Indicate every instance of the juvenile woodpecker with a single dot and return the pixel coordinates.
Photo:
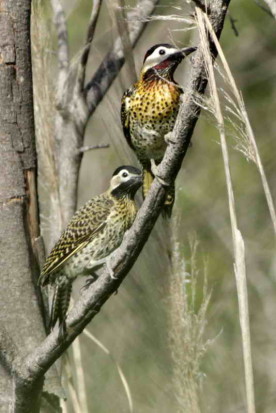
(92, 234)
(149, 110)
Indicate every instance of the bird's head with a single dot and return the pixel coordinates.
(125, 181)
(163, 59)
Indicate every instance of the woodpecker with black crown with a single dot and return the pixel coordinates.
(149, 110)
(92, 234)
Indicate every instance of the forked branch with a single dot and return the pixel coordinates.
(36, 364)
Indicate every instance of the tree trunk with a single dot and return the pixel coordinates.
(20, 314)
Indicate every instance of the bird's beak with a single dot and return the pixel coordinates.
(180, 54)
(187, 50)
(138, 180)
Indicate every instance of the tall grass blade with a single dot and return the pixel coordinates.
(119, 369)
(249, 130)
(238, 244)
(79, 370)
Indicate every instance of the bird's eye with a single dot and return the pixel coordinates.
(162, 51)
(125, 174)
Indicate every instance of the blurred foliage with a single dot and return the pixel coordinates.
(134, 324)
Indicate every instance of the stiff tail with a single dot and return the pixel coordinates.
(60, 304)
(147, 181)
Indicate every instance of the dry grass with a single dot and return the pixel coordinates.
(237, 239)
(247, 143)
(187, 327)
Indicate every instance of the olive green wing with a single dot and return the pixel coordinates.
(83, 226)
(125, 114)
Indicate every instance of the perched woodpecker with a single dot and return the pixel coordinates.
(92, 234)
(149, 110)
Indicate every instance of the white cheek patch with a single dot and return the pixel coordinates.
(115, 181)
(155, 58)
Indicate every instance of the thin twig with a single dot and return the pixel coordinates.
(122, 25)
(233, 25)
(93, 147)
(63, 50)
(97, 87)
(86, 50)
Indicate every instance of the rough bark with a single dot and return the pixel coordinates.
(20, 314)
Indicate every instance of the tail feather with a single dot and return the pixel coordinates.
(147, 181)
(60, 304)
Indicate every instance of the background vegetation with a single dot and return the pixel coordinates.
(138, 325)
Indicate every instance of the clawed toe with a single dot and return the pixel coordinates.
(110, 269)
(154, 169)
(89, 281)
(170, 139)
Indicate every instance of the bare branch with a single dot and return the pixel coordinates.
(122, 25)
(72, 118)
(63, 51)
(93, 147)
(114, 60)
(86, 50)
(233, 25)
(91, 301)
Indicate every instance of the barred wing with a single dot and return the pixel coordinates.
(84, 225)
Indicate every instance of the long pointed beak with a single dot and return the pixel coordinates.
(187, 50)
(139, 179)
(181, 54)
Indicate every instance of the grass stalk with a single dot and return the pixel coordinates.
(119, 369)
(188, 323)
(79, 370)
(238, 243)
(248, 127)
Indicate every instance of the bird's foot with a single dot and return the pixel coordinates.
(92, 278)
(109, 268)
(170, 138)
(154, 169)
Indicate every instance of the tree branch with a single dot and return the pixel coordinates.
(123, 30)
(85, 52)
(73, 115)
(63, 50)
(93, 147)
(114, 60)
(36, 364)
